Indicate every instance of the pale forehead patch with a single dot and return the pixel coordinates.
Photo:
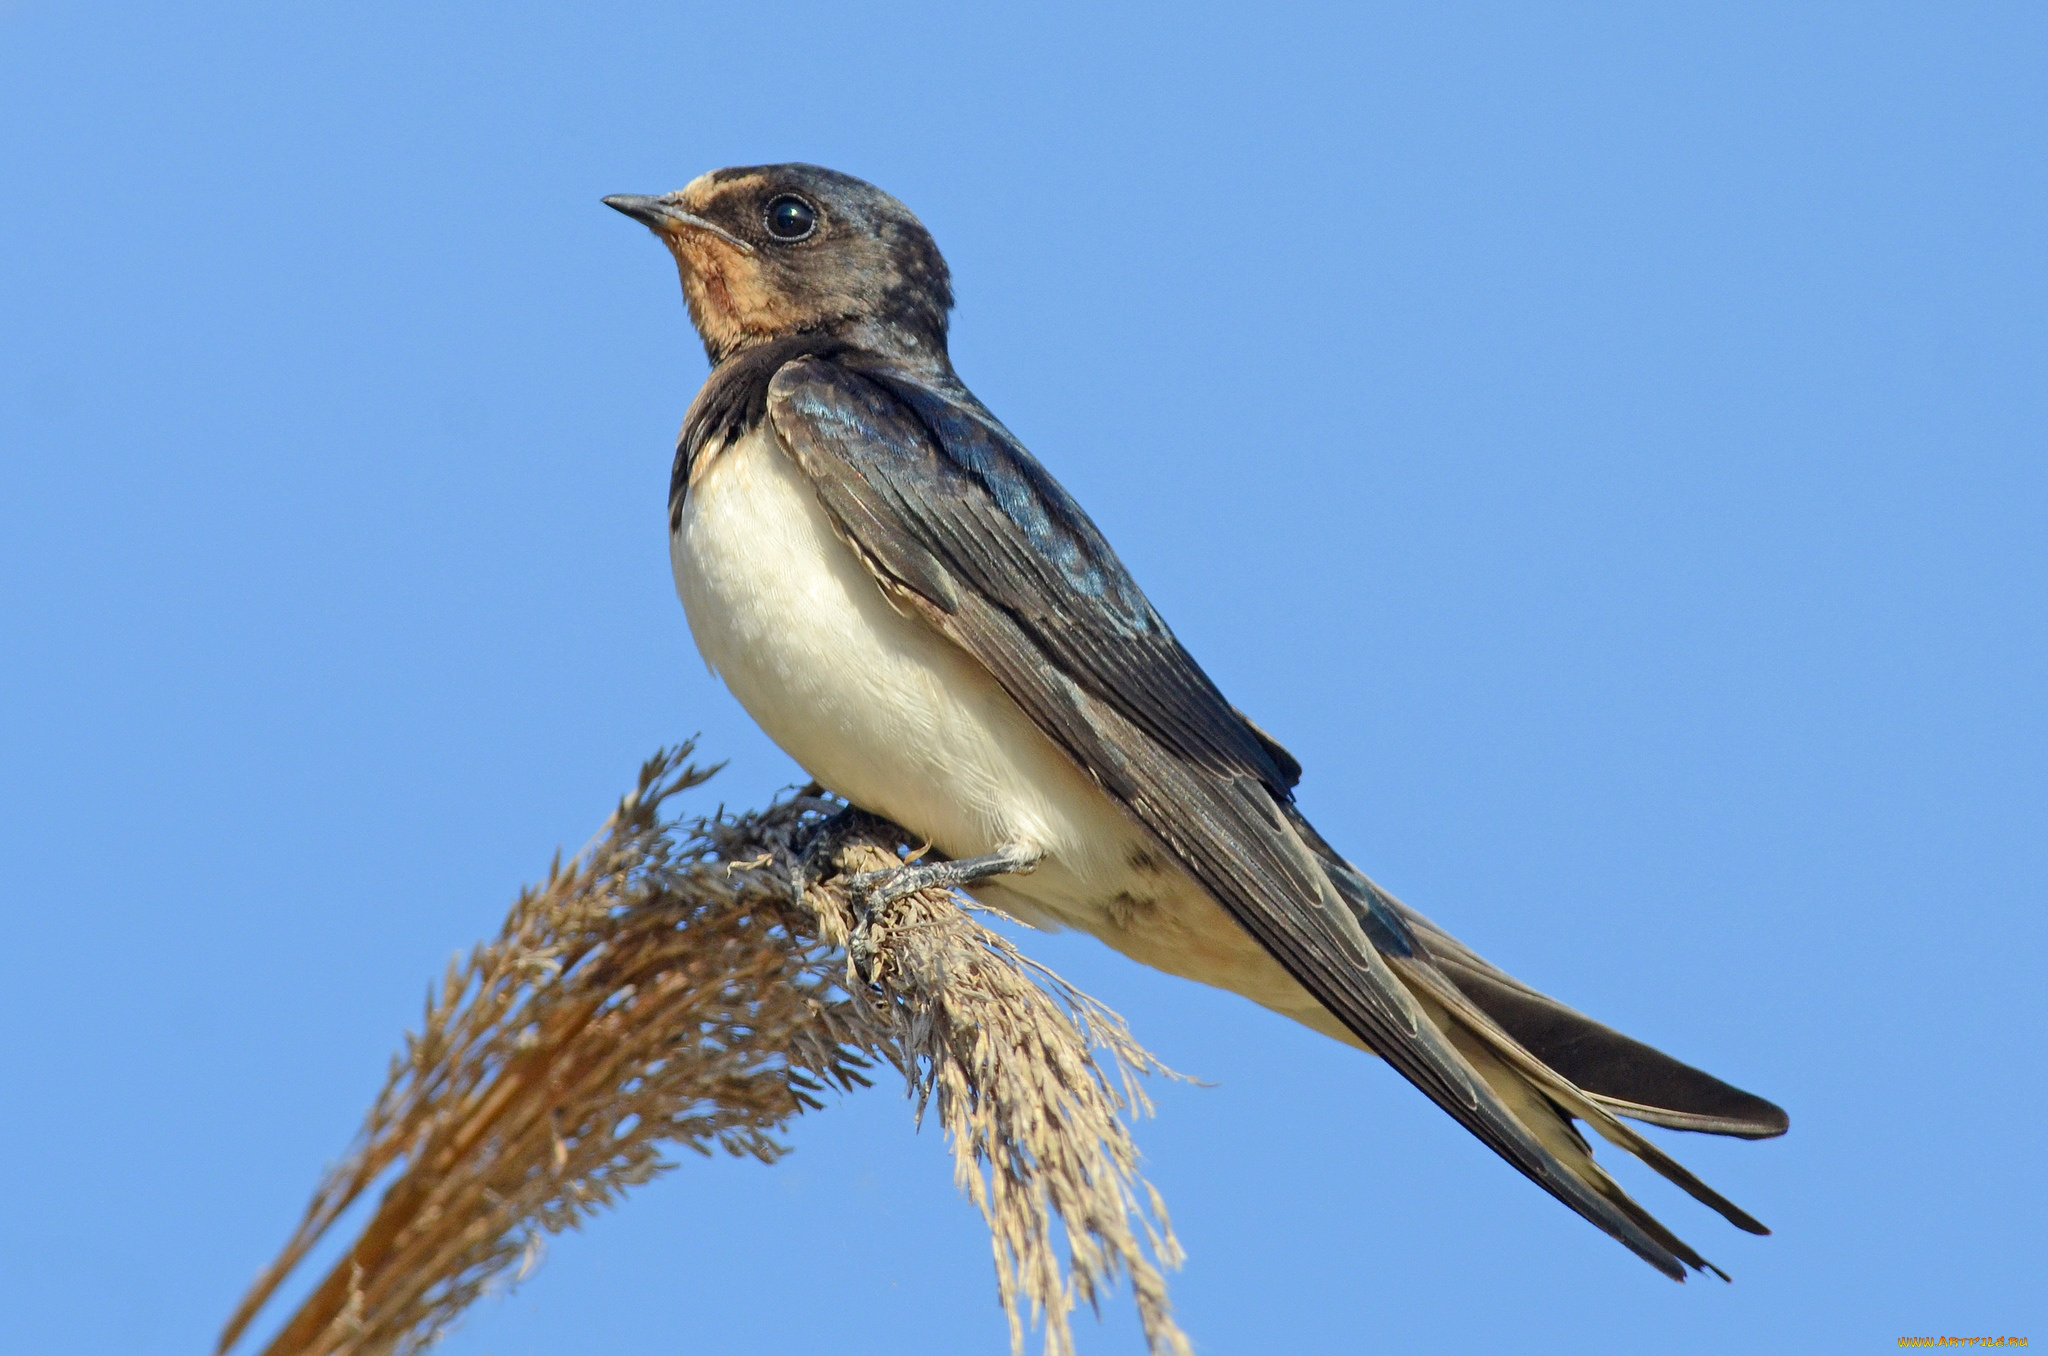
(705, 188)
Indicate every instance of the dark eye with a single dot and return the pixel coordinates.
(790, 218)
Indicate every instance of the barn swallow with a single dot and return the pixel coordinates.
(918, 613)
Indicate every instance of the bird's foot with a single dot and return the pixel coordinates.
(871, 892)
(818, 859)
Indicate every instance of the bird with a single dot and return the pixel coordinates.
(918, 613)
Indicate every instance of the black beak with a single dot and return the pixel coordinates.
(647, 211)
(663, 217)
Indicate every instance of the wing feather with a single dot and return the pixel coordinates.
(961, 525)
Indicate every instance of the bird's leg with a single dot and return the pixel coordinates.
(818, 859)
(872, 890)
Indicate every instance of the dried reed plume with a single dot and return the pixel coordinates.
(1005, 1048)
(666, 987)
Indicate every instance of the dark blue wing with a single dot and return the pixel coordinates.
(1005, 527)
(960, 524)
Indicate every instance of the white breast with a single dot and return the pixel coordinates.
(874, 704)
(889, 714)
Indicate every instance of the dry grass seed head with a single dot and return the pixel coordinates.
(664, 988)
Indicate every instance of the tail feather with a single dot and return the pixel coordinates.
(1527, 1047)
(1553, 1127)
(1626, 1076)
(1424, 978)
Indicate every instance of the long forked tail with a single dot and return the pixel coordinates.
(1624, 1075)
(1552, 1065)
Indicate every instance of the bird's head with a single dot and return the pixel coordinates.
(774, 250)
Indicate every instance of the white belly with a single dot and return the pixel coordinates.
(894, 717)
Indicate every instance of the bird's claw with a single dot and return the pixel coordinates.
(818, 859)
(872, 891)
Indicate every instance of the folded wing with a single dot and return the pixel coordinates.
(961, 526)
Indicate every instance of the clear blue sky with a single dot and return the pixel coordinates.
(1606, 444)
